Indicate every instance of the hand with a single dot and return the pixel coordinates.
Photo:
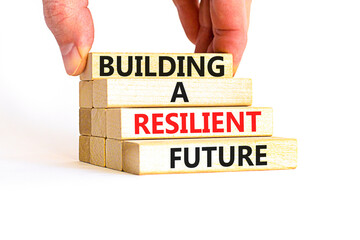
(216, 26)
(71, 23)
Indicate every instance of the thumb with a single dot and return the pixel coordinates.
(72, 25)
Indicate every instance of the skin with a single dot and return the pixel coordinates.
(214, 26)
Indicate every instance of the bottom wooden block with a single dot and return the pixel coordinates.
(97, 151)
(209, 155)
(114, 154)
(101, 152)
(190, 155)
(84, 149)
(92, 150)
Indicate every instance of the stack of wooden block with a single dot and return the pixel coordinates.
(175, 113)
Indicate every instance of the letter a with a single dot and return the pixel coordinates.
(179, 85)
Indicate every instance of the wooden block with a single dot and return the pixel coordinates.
(85, 121)
(154, 65)
(109, 93)
(92, 122)
(98, 122)
(209, 155)
(114, 154)
(84, 149)
(152, 123)
(97, 151)
(86, 94)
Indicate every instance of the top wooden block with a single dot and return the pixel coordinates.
(153, 65)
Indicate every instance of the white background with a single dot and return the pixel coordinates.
(303, 57)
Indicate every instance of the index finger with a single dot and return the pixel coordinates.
(230, 20)
(189, 16)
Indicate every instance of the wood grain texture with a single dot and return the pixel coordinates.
(85, 121)
(97, 151)
(155, 156)
(121, 122)
(86, 94)
(92, 70)
(110, 93)
(84, 149)
(98, 122)
(114, 154)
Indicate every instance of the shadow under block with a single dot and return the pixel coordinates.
(109, 93)
(86, 94)
(102, 65)
(84, 149)
(97, 151)
(85, 121)
(155, 123)
(114, 154)
(209, 155)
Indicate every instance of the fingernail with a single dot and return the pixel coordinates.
(71, 57)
